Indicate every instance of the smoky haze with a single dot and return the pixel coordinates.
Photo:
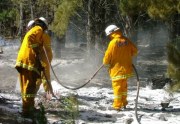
(74, 70)
(152, 56)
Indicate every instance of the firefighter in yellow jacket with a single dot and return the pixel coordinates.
(30, 64)
(118, 57)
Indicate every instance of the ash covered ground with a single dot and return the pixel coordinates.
(95, 99)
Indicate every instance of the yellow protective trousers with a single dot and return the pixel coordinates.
(120, 93)
(28, 89)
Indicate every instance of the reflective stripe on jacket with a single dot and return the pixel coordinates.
(27, 56)
(28, 95)
(119, 57)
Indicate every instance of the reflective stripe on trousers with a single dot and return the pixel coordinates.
(119, 77)
(120, 95)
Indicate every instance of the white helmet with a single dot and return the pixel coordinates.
(44, 20)
(110, 29)
(30, 23)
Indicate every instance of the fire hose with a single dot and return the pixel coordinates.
(71, 88)
(137, 95)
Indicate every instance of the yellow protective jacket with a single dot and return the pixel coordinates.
(30, 48)
(118, 57)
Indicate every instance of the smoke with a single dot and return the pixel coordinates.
(76, 67)
(153, 37)
(151, 59)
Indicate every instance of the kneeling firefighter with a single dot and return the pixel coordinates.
(30, 64)
(118, 57)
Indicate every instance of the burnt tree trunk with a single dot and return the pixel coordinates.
(91, 30)
(131, 28)
(31, 8)
(20, 31)
(174, 26)
(173, 48)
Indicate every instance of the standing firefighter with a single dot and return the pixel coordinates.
(118, 57)
(30, 65)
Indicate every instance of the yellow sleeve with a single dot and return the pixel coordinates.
(108, 55)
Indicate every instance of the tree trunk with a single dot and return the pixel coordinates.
(90, 31)
(174, 27)
(173, 52)
(31, 7)
(21, 20)
(131, 31)
(130, 28)
(100, 13)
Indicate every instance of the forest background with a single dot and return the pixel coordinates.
(86, 20)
